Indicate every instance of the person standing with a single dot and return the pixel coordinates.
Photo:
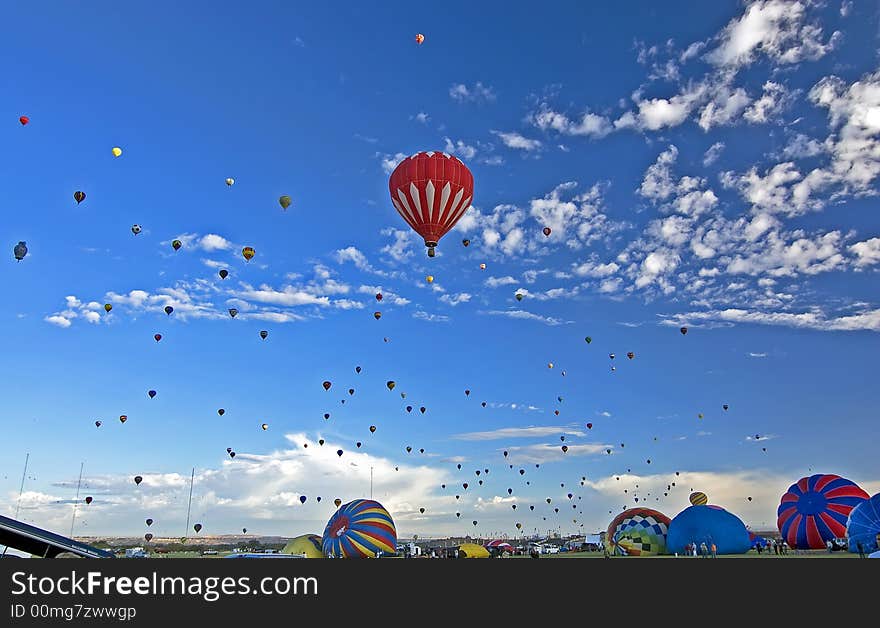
(704, 551)
(714, 549)
(861, 549)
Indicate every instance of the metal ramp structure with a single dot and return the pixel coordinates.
(42, 543)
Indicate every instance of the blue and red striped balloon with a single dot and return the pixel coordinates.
(815, 510)
(360, 529)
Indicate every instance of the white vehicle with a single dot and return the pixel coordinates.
(551, 549)
(136, 552)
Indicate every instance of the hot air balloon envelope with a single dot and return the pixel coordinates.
(360, 529)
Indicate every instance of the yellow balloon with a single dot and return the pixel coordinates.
(308, 544)
(472, 550)
(430, 278)
(117, 151)
(230, 181)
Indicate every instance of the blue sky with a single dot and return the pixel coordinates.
(710, 166)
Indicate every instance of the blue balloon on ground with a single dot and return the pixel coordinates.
(863, 525)
(708, 524)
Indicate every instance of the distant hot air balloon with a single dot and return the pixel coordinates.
(265, 426)
(725, 406)
(197, 527)
(157, 337)
(519, 296)
(466, 242)
(88, 500)
(223, 273)
(337, 502)
(391, 384)
(588, 339)
(20, 250)
(339, 452)
(151, 393)
(302, 499)
(24, 120)
(138, 479)
(379, 296)
(248, 253)
(482, 267)
(116, 151)
(221, 411)
(326, 385)
(372, 429)
(168, 310)
(429, 278)
(123, 418)
(176, 244)
(357, 370)
(230, 181)
(698, 498)
(547, 231)
(377, 315)
(148, 537)
(420, 39)
(233, 312)
(79, 196)
(284, 201)
(98, 423)
(136, 229)
(149, 522)
(107, 307)
(264, 334)
(683, 330)
(431, 191)
(630, 355)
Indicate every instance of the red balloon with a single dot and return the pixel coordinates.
(431, 191)
(24, 120)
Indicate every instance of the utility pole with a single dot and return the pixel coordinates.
(191, 480)
(21, 488)
(76, 503)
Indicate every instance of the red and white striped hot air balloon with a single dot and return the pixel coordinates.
(431, 191)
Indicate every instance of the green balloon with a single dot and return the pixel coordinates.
(588, 339)
(285, 201)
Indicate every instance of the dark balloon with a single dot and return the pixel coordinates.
(302, 499)
(138, 479)
(88, 500)
(197, 527)
(466, 242)
(221, 411)
(20, 250)
(168, 310)
(98, 424)
(224, 273)
(327, 385)
(151, 393)
(339, 452)
(79, 197)
(264, 334)
(683, 330)
(157, 337)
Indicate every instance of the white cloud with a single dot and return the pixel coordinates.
(476, 93)
(522, 314)
(657, 183)
(713, 153)
(459, 148)
(779, 257)
(589, 125)
(390, 162)
(453, 300)
(801, 147)
(867, 252)
(867, 319)
(757, 355)
(421, 117)
(401, 248)
(58, 320)
(655, 265)
(547, 452)
(494, 282)
(768, 105)
(355, 256)
(776, 28)
(532, 431)
(288, 296)
(517, 141)
(214, 242)
(725, 107)
(592, 268)
(431, 318)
